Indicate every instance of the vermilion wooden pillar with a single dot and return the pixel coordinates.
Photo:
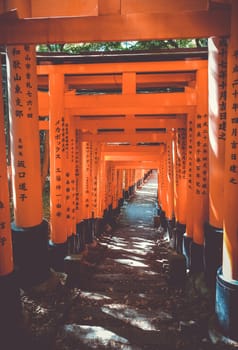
(200, 175)
(163, 184)
(102, 184)
(187, 239)
(120, 187)
(227, 276)
(87, 194)
(30, 231)
(217, 78)
(9, 292)
(170, 187)
(57, 126)
(69, 176)
(95, 189)
(180, 187)
(126, 194)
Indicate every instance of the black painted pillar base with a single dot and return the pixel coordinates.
(163, 220)
(99, 227)
(196, 258)
(179, 231)
(170, 227)
(187, 241)
(10, 303)
(172, 239)
(89, 230)
(212, 253)
(81, 233)
(30, 251)
(227, 305)
(57, 253)
(126, 195)
(120, 202)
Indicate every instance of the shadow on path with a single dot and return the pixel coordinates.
(120, 298)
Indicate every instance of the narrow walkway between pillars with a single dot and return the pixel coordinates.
(123, 295)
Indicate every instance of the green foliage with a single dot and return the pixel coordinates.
(76, 48)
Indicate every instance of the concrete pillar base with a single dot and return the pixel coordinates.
(187, 250)
(196, 258)
(212, 253)
(226, 306)
(30, 251)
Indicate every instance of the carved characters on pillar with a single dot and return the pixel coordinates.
(182, 142)
(69, 177)
(190, 154)
(222, 85)
(77, 174)
(201, 154)
(170, 193)
(181, 180)
(86, 175)
(59, 127)
(94, 180)
(23, 108)
(233, 130)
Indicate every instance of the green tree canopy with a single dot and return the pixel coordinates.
(76, 48)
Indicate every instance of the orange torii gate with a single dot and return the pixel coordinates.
(25, 23)
(127, 112)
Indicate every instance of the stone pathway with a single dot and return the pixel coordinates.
(120, 297)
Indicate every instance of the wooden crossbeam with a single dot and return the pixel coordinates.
(92, 105)
(126, 104)
(122, 67)
(131, 138)
(133, 157)
(94, 7)
(114, 81)
(139, 26)
(135, 165)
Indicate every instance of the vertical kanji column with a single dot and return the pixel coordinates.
(86, 153)
(9, 291)
(200, 181)
(217, 78)
(57, 121)
(102, 184)
(30, 231)
(227, 276)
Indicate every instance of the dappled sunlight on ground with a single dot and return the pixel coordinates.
(132, 316)
(131, 262)
(96, 336)
(94, 296)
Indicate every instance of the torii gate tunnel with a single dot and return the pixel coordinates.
(110, 122)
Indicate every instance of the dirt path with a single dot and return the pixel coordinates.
(120, 297)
